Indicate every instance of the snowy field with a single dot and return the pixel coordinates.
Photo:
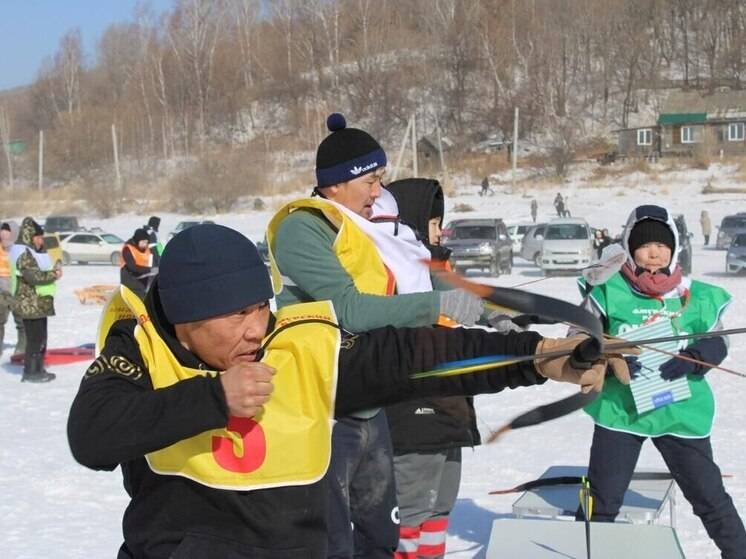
(50, 507)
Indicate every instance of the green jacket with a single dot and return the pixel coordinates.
(303, 250)
(29, 304)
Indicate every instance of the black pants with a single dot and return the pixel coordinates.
(36, 335)
(362, 491)
(613, 459)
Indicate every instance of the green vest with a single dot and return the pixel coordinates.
(624, 309)
(42, 290)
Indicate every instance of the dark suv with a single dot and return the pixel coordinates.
(480, 243)
(731, 226)
(685, 241)
(55, 223)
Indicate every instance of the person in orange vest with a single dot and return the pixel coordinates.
(136, 268)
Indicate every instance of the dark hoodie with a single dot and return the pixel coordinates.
(29, 304)
(428, 423)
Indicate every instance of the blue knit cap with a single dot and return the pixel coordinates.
(209, 270)
(346, 153)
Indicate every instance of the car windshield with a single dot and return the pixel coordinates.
(112, 239)
(740, 240)
(566, 232)
(50, 242)
(734, 221)
(473, 232)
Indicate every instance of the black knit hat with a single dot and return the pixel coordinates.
(5, 226)
(346, 153)
(140, 235)
(650, 231)
(209, 270)
(154, 222)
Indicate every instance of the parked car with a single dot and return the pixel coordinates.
(735, 259)
(57, 223)
(263, 249)
(531, 243)
(480, 243)
(52, 246)
(685, 241)
(83, 247)
(731, 226)
(516, 231)
(567, 245)
(186, 225)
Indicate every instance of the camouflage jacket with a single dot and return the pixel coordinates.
(29, 304)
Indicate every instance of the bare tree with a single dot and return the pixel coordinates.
(6, 139)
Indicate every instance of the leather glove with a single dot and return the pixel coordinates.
(561, 370)
(461, 306)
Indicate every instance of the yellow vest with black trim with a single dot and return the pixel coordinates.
(290, 442)
(356, 252)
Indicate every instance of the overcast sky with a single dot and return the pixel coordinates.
(30, 30)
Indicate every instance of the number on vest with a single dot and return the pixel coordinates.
(254, 446)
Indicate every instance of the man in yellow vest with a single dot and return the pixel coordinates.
(6, 297)
(220, 411)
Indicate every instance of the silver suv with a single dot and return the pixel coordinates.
(480, 243)
(567, 245)
(531, 243)
(731, 226)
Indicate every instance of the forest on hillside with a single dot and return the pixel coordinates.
(209, 75)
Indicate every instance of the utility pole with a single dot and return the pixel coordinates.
(41, 160)
(515, 148)
(116, 156)
(414, 145)
(401, 150)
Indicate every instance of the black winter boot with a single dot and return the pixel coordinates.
(33, 370)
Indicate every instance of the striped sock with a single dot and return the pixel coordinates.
(409, 537)
(433, 538)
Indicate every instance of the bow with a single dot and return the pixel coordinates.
(514, 300)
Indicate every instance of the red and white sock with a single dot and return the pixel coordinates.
(433, 538)
(409, 539)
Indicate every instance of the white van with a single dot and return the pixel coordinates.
(567, 245)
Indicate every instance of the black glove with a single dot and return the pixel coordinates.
(585, 353)
(634, 366)
(710, 350)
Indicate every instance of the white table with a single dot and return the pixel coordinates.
(520, 538)
(643, 503)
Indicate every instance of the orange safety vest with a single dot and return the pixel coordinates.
(141, 258)
(4, 263)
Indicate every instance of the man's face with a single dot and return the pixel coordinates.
(38, 241)
(142, 245)
(226, 340)
(4, 237)
(653, 256)
(358, 194)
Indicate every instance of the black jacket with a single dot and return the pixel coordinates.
(428, 423)
(117, 417)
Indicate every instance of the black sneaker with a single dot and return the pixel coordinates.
(43, 377)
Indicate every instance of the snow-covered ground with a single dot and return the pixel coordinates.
(52, 507)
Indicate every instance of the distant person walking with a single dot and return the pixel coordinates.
(486, 190)
(534, 209)
(155, 246)
(559, 205)
(704, 221)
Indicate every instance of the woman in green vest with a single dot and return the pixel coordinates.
(34, 286)
(650, 287)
